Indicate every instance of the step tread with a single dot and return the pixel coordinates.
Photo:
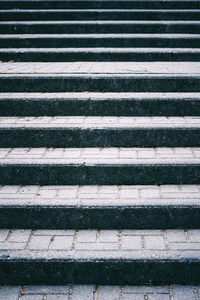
(100, 68)
(100, 50)
(101, 35)
(100, 96)
(99, 156)
(101, 196)
(99, 22)
(99, 122)
(95, 245)
(99, 10)
(100, 291)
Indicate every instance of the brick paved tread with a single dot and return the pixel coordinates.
(102, 207)
(90, 292)
(66, 256)
(100, 166)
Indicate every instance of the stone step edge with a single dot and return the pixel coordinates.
(99, 82)
(87, 267)
(99, 136)
(99, 214)
(54, 172)
(99, 54)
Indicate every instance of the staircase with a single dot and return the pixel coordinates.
(100, 142)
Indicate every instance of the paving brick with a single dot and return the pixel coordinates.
(83, 292)
(87, 237)
(183, 293)
(62, 243)
(19, 236)
(155, 242)
(131, 243)
(109, 236)
(111, 292)
(3, 235)
(39, 242)
(46, 289)
(9, 292)
(173, 237)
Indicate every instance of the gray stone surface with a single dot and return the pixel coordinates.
(101, 67)
(99, 155)
(87, 292)
(98, 240)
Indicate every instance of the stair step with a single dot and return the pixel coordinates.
(100, 207)
(99, 40)
(99, 54)
(98, 104)
(99, 83)
(19, 27)
(100, 77)
(75, 292)
(99, 4)
(99, 257)
(72, 166)
(99, 132)
(98, 14)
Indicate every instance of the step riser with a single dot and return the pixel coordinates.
(87, 56)
(81, 15)
(126, 217)
(98, 28)
(123, 107)
(59, 42)
(80, 138)
(98, 84)
(68, 271)
(48, 174)
(100, 4)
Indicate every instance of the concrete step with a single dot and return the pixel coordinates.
(99, 257)
(99, 4)
(100, 132)
(99, 54)
(99, 82)
(98, 14)
(101, 292)
(99, 104)
(99, 40)
(93, 166)
(100, 207)
(30, 27)
(100, 77)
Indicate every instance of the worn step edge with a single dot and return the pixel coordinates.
(98, 104)
(99, 82)
(99, 54)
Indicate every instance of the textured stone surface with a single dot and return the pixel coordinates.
(74, 292)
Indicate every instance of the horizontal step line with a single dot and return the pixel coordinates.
(99, 122)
